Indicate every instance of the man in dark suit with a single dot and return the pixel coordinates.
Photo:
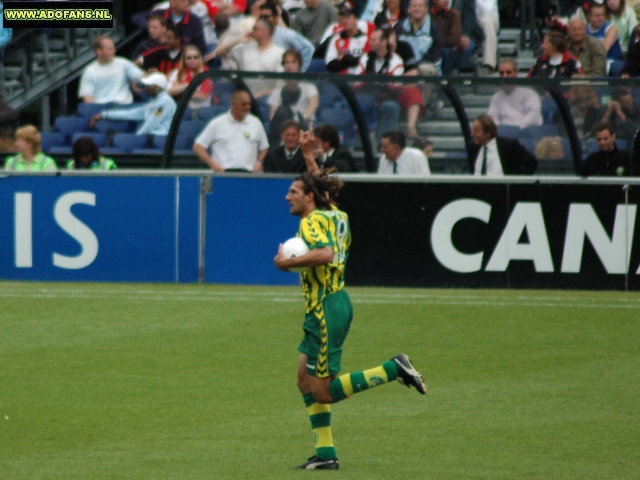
(490, 155)
(330, 153)
(286, 158)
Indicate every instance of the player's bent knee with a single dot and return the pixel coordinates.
(323, 396)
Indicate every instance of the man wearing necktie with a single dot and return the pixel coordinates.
(286, 158)
(400, 159)
(494, 156)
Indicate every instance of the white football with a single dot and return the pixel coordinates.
(295, 247)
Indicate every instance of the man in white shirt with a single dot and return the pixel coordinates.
(518, 106)
(491, 155)
(108, 79)
(399, 159)
(256, 52)
(237, 139)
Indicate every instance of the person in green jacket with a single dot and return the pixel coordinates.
(29, 157)
(86, 156)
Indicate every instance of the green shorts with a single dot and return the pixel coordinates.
(325, 330)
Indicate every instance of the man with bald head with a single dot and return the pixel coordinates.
(587, 49)
(237, 139)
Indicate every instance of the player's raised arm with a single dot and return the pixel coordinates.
(307, 146)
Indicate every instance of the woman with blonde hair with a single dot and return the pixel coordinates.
(191, 64)
(623, 17)
(550, 148)
(29, 157)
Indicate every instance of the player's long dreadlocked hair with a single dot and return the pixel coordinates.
(325, 187)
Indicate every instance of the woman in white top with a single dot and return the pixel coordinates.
(191, 64)
(308, 102)
(624, 18)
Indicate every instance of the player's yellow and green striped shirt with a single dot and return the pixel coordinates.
(325, 228)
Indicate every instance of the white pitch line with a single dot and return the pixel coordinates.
(292, 299)
(374, 296)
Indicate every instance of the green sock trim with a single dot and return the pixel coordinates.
(326, 453)
(336, 390)
(358, 382)
(308, 399)
(320, 420)
(391, 368)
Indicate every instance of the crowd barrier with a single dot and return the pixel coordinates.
(442, 231)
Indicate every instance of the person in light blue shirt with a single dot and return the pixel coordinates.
(285, 37)
(157, 114)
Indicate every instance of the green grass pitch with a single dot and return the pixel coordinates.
(122, 381)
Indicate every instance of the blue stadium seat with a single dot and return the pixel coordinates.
(99, 138)
(265, 112)
(104, 126)
(52, 139)
(207, 113)
(342, 120)
(182, 143)
(317, 65)
(224, 100)
(548, 110)
(191, 128)
(462, 155)
(221, 87)
(539, 131)
(88, 110)
(327, 100)
(566, 149)
(509, 131)
(368, 106)
(71, 125)
(128, 142)
(329, 89)
(615, 69)
(529, 144)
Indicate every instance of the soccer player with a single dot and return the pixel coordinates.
(328, 309)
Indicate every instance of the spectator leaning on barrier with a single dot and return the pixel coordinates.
(156, 115)
(589, 51)
(237, 139)
(108, 79)
(550, 148)
(286, 158)
(512, 105)
(86, 156)
(491, 155)
(608, 161)
(399, 159)
(329, 153)
(29, 157)
(285, 37)
(156, 28)
(556, 61)
(313, 20)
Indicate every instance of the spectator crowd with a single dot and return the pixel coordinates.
(389, 38)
